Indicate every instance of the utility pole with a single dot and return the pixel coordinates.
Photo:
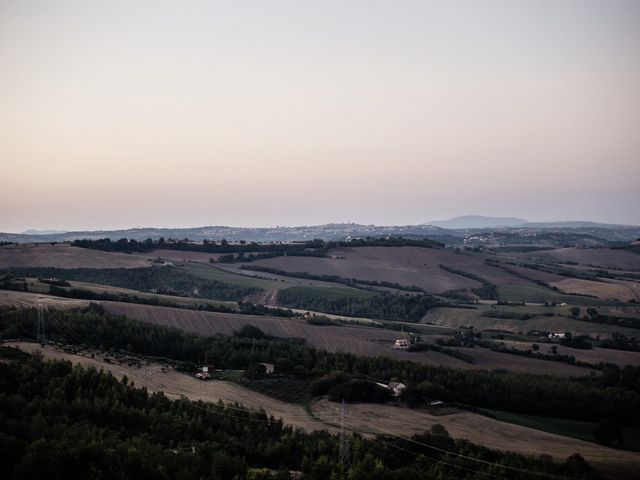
(344, 443)
(41, 334)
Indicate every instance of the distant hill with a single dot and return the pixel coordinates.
(478, 221)
(574, 224)
(43, 232)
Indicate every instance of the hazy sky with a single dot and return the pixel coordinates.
(185, 113)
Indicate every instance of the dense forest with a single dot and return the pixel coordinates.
(61, 422)
(613, 395)
(384, 306)
(165, 280)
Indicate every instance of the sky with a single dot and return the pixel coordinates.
(118, 114)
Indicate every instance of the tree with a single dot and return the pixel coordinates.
(592, 312)
(250, 331)
(607, 432)
(575, 311)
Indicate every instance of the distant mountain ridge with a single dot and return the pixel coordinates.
(466, 222)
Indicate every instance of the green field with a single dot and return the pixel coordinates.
(567, 428)
(209, 272)
(331, 293)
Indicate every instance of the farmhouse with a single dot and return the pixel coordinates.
(396, 388)
(205, 372)
(401, 343)
(556, 335)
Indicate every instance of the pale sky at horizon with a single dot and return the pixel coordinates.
(117, 114)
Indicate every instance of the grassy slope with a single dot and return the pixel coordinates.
(567, 428)
(209, 272)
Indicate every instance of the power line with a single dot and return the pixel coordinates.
(344, 454)
(466, 457)
(41, 334)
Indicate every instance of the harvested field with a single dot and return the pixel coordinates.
(9, 298)
(183, 256)
(395, 420)
(490, 360)
(606, 289)
(66, 256)
(599, 257)
(402, 265)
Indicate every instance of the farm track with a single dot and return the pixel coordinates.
(369, 419)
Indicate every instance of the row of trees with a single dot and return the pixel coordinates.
(318, 245)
